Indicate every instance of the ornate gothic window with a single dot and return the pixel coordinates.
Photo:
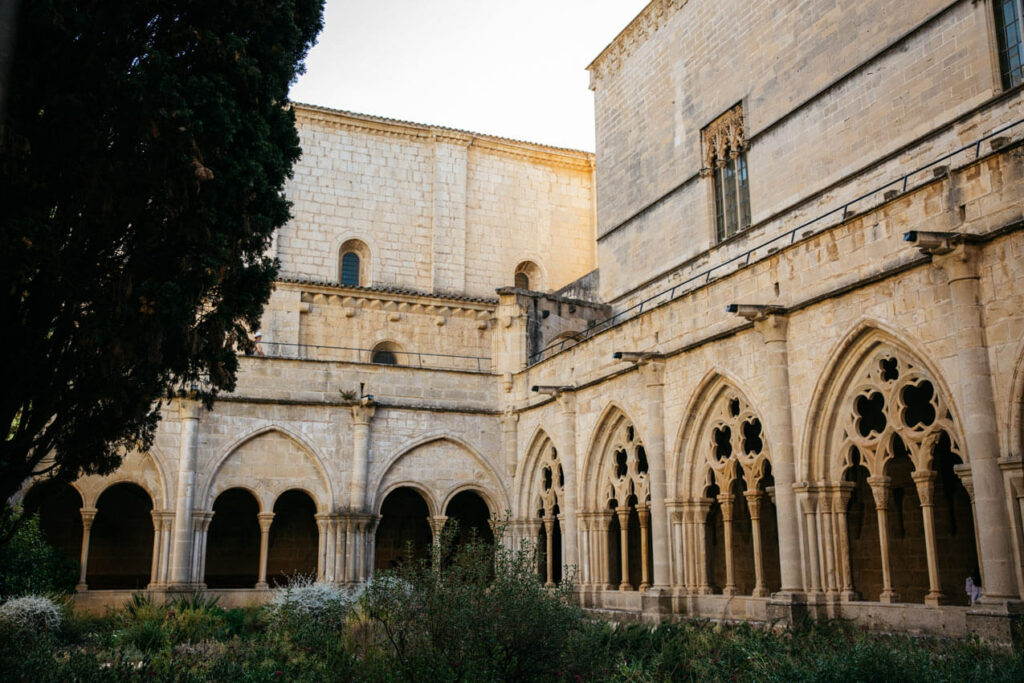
(1008, 36)
(740, 531)
(905, 516)
(725, 160)
(894, 409)
(550, 487)
(625, 489)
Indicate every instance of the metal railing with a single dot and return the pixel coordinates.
(346, 354)
(784, 239)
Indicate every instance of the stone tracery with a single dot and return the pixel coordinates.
(736, 516)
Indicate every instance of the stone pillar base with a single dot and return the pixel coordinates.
(789, 608)
(998, 622)
(656, 605)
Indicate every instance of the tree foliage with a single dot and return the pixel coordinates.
(143, 154)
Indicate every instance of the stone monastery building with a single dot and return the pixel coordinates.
(762, 355)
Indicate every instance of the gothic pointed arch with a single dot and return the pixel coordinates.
(268, 461)
(683, 465)
(541, 504)
(886, 457)
(526, 484)
(855, 365)
(617, 496)
(728, 470)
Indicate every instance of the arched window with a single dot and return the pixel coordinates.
(528, 276)
(350, 269)
(354, 264)
(385, 353)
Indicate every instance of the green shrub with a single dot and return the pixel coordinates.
(479, 615)
(30, 565)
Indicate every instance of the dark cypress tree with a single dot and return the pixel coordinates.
(143, 153)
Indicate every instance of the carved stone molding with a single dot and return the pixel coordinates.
(724, 138)
(648, 22)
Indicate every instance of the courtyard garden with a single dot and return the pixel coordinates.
(475, 612)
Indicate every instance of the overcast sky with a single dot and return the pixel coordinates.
(511, 68)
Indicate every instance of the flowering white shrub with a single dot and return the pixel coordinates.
(31, 613)
(307, 597)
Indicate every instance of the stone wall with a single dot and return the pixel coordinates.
(441, 211)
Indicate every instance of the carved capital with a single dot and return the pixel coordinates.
(265, 519)
(362, 413)
(189, 409)
(88, 515)
(772, 327)
(959, 264)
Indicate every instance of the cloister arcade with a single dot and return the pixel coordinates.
(884, 492)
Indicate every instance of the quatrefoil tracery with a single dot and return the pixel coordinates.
(551, 482)
(626, 468)
(734, 444)
(893, 408)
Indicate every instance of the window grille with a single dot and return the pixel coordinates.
(350, 269)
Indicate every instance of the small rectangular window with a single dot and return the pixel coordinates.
(350, 269)
(725, 159)
(1008, 35)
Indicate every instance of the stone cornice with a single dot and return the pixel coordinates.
(529, 151)
(426, 304)
(650, 19)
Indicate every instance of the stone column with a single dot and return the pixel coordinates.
(725, 501)
(880, 490)
(674, 510)
(979, 422)
(322, 549)
(653, 372)
(700, 523)
(924, 480)
(604, 576)
(88, 516)
(567, 459)
(166, 539)
(266, 520)
(623, 513)
(645, 570)
(843, 493)
(772, 329)
(154, 567)
(338, 571)
(351, 560)
(828, 547)
(437, 523)
(810, 503)
(181, 560)
(202, 521)
(509, 421)
(361, 416)
(584, 570)
(549, 549)
(754, 505)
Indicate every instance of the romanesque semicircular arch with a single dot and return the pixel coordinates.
(481, 491)
(871, 355)
(133, 470)
(426, 495)
(719, 392)
(499, 495)
(325, 498)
